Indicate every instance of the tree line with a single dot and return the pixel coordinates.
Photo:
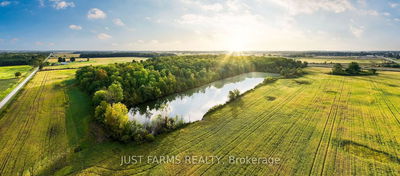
(121, 54)
(118, 86)
(9, 59)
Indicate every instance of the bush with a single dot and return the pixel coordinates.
(338, 69)
(17, 74)
(269, 80)
(353, 68)
(149, 138)
(233, 94)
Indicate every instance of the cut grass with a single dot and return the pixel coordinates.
(8, 81)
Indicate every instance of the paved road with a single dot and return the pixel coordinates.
(19, 87)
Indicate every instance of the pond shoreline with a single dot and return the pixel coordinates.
(191, 105)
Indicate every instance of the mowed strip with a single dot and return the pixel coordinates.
(33, 134)
(326, 125)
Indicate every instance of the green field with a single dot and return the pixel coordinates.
(321, 125)
(92, 61)
(341, 60)
(8, 80)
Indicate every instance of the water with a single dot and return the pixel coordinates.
(191, 105)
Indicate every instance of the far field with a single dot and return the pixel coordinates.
(81, 62)
(8, 80)
(341, 60)
(319, 124)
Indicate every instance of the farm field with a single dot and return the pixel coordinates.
(92, 61)
(317, 124)
(8, 80)
(36, 131)
(341, 60)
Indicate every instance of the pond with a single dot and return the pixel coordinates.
(191, 105)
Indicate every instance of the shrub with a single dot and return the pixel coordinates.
(338, 69)
(17, 74)
(269, 80)
(233, 94)
(353, 68)
(149, 138)
(100, 111)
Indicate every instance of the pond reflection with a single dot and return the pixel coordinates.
(191, 105)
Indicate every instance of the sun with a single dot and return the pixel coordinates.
(237, 41)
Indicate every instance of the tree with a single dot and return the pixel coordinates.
(99, 96)
(372, 71)
(338, 69)
(87, 59)
(72, 59)
(17, 74)
(116, 118)
(353, 68)
(115, 93)
(100, 111)
(60, 59)
(233, 94)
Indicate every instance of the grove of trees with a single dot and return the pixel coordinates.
(127, 84)
(352, 69)
(9, 59)
(121, 54)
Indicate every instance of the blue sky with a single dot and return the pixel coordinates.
(200, 24)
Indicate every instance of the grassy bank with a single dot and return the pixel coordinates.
(8, 81)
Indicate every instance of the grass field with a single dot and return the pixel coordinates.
(321, 125)
(8, 80)
(330, 125)
(37, 132)
(341, 60)
(93, 62)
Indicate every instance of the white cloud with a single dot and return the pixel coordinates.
(393, 4)
(41, 3)
(386, 13)
(203, 6)
(5, 3)
(362, 2)
(58, 4)
(357, 30)
(295, 7)
(103, 36)
(397, 19)
(96, 13)
(75, 27)
(118, 22)
(212, 7)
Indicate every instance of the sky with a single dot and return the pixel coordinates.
(203, 25)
